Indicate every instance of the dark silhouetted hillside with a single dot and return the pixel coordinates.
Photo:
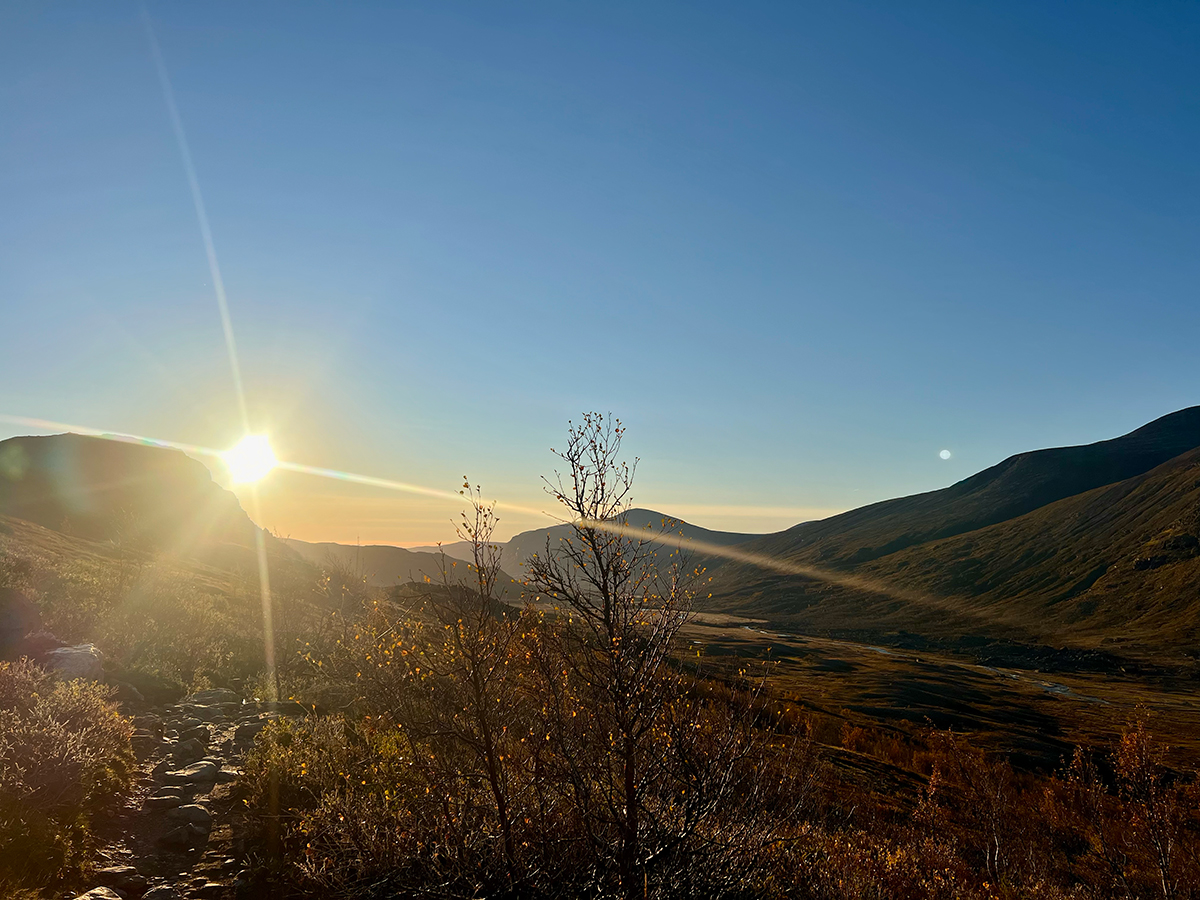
(100, 489)
(386, 566)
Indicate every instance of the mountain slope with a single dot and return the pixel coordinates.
(384, 566)
(111, 490)
(524, 545)
(1016, 486)
(1115, 563)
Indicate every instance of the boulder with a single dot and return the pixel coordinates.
(161, 892)
(80, 661)
(188, 751)
(193, 814)
(201, 733)
(100, 893)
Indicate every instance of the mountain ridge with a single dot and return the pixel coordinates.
(1101, 565)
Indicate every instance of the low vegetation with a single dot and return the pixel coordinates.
(65, 759)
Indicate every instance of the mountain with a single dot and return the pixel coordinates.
(383, 565)
(109, 490)
(515, 552)
(1095, 543)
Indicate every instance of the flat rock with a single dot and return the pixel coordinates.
(80, 661)
(209, 697)
(100, 893)
(161, 892)
(197, 772)
(194, 814)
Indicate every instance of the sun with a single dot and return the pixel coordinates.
(250, 460)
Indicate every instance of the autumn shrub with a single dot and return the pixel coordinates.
(65, 757)
(355, 809)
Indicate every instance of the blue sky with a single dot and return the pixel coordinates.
(798, 248)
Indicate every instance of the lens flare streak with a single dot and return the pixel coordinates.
(769, 563)
(762, 561)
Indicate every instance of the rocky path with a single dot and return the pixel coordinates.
(180, 836)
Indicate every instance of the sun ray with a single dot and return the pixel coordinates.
(210, 250)
(762, 561)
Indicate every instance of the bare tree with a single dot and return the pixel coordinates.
(625, 606)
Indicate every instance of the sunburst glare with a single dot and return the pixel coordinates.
(250, 460)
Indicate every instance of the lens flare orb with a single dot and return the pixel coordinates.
(250, 460)
(945, 454)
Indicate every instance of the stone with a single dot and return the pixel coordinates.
(188, 751)
(124, 878)
(248, 731)
(201, 733)
(211, 697)
(145, 744)
(215, 713)
(197, 772)
(80, 661)
(161, 892)
(185, 837)
(100, 893)
(163, 802)
(227, 775)
(193, 814)
(209, 889)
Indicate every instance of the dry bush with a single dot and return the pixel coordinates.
(1135, 822)
(65, 757)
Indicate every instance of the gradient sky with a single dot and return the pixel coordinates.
(799, 248)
